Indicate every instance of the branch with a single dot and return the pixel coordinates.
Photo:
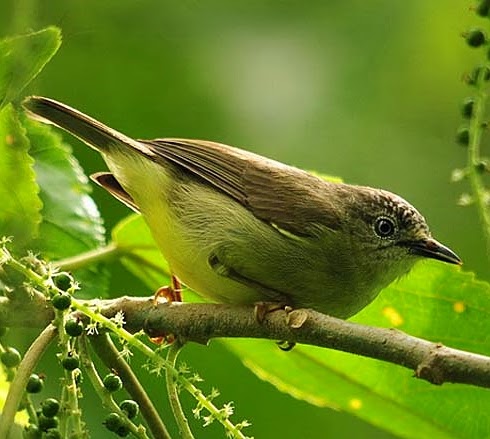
(200, 322)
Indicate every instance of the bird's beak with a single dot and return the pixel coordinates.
(430, 248)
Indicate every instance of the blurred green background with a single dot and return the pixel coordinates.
(369, 91)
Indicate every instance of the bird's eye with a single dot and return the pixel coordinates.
(384, 227)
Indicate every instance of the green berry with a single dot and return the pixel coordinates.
(476, 38)
(463, 136)
(61, 301)
(483, 8)
(112, 382)
(62, 281)
(35, 384)
(74, 327)
(467, 108)
(122, 431)
(10, 357)
(70, 362)
(46, 423)
(130, 407)
(482, 166)
(113, 421)
(52, 433)
(50, 407)
(472, 78)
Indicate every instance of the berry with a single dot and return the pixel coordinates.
(50, 407)
(482, 166)
(467, 108)
(35, 384)
(62, 281)
(112, 382)
(472, 78)
(463, 136)
(70, 362)
(130, 407)
(476, 38)
(122, 431)
(483, 8)
(10, 357)
(113, 421)
(61, 301)
(73, 327)
(46, 423)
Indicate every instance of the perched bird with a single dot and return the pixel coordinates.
(240, 228)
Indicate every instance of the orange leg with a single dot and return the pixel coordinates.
(169, 293)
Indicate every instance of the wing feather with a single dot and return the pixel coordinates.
(287, 197)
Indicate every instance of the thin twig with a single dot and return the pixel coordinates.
(24, 371)
(173, 393)
(89, 257)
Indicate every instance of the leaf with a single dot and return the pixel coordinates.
(20, 213)
(71, 222)
(436, 302)
(22, 58)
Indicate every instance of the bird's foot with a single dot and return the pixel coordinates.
(294, 318)
(167, 294)
(263, 308)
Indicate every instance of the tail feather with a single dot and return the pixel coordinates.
(91, 131)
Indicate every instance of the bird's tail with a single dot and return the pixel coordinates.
(91, 131)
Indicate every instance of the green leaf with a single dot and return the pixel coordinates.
(71, 222)
(436, 302)
(20, 213)
(22, 58)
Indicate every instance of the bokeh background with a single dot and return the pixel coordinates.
(369, 91)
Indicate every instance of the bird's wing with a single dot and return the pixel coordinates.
(288, 198)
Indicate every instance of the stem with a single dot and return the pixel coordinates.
(18, 385)
(107, 352)
(71, 412)
(476, 130)
(173, 393)
(90, 257)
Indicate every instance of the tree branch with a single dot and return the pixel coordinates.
(200, 322)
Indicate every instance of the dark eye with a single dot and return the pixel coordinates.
(384, 227)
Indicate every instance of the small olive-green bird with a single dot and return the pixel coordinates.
(240, 228)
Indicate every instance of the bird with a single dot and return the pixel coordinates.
(240, 228)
